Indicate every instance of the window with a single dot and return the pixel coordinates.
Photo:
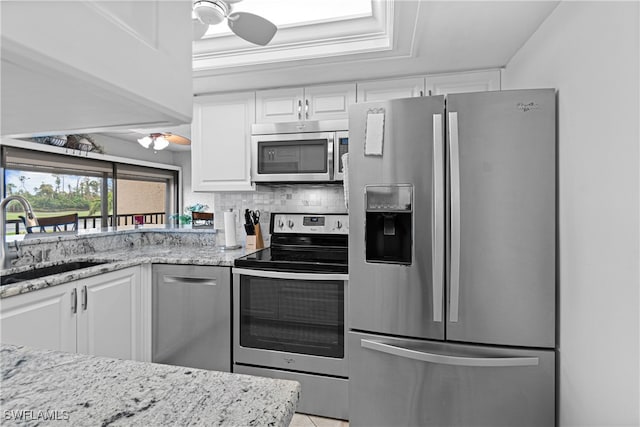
(149, 192)
(102, 193)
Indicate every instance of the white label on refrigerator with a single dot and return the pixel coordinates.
(374, 134)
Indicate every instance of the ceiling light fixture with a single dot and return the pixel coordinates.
(160, 141)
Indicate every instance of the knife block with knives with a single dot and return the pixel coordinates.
(252, 228)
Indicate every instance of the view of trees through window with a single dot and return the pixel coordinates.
(57, 194)
(57, 185)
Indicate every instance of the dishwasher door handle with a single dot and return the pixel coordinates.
(190, 280)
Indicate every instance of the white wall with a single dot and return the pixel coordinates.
(188, 196)
(589, 52)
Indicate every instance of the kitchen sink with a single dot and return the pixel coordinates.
(46, 271)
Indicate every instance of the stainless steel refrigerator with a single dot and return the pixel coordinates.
(452, 260)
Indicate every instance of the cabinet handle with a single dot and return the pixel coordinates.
(84, 297)
(306, 108)
(299, 109)
(74, 301)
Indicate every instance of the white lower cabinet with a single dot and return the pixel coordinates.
(100, 315)
(41, 319)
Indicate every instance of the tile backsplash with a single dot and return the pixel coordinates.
(311, 198)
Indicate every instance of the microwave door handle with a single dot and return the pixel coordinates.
(330, 163)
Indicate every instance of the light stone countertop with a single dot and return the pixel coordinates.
(118, 250)
(83, 390)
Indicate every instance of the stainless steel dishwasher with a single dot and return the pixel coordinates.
(192, 316)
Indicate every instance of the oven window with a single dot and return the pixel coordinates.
(295, 316)
(307, 156)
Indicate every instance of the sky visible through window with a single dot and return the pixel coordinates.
(16, 180)
(298, 12)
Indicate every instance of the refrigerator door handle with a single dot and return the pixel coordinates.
(443, 359)
(437, 220)
(455, 217)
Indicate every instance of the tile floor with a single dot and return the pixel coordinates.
(303, 420)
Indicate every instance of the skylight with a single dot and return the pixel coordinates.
(288, 13)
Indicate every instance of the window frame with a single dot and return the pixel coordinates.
(173, 173)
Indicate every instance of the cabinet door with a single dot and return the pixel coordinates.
(108, 308)
(328, 102)
(279, 105)
(384, 90)
(42, 319)
(221, 142)
(478, 81)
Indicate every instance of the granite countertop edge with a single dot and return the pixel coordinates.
(94, 390)
(118, 260)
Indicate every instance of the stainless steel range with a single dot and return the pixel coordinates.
(290, 306)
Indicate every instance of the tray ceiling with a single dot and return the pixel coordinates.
(400, 37)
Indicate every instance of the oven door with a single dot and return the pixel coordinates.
(297, 157)
(291, 321)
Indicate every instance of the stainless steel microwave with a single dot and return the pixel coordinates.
(299, 151)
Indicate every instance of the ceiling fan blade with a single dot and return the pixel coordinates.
(252, 28)
(177, 139)
(199, 29)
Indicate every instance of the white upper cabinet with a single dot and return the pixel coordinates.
(279, 105)
(476, 81)
(329, 102)
(322, 102)
(221, 142)
(95, 65)
(383, 90)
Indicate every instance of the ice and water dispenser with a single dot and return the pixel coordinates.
(389, 223)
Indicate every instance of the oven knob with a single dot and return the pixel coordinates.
(290, 224)
(280, 223)
(338, 225)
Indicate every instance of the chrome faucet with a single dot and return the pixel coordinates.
(30, 221)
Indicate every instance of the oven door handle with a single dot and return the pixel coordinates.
(289, 275)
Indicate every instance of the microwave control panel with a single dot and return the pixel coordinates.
(311, 223)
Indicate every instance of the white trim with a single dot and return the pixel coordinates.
(359, 35)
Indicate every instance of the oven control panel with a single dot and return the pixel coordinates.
(311, 223)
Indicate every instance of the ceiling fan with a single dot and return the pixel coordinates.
(253, 28)
(161, 141)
